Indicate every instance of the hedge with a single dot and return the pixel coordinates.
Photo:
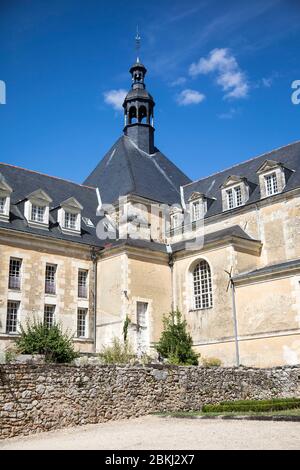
(252, 405)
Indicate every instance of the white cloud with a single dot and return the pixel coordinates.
(229, 114)
(179, 81)
(187, 97)
(115, 98)
(229, 75)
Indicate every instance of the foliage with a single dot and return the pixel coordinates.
(176, 343)
(253, 405)
(117, 353)
(10, 354)
(211, 362)
(51, 341)
(125, 328)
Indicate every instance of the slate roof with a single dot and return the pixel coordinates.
(23, 182)
(127, 170)
(234, 231)
(289, 156)
(271, 269)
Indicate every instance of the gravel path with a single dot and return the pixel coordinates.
(153, 432)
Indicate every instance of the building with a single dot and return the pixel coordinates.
(139, 238)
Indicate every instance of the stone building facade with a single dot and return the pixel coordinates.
(139, 238)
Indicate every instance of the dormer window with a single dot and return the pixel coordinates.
(271, 184)
(36, 209)
(198, 206)
(5, 192)
(235, 192)
(69, 216)
(272, 178)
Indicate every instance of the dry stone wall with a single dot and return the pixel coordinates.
(41, 397)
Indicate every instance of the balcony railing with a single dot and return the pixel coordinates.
(82, 292)
(14, 282)
(50, 287)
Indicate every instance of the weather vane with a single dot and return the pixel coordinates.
(137, 43)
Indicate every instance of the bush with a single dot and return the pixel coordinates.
(176, 344)
(211, 362)
(50, 341)
(253, 405)
(117, 353)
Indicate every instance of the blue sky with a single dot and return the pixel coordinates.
(220, 73)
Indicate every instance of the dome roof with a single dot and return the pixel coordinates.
(138, 93)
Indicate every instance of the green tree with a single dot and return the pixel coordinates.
(51, 341)
(176, 344)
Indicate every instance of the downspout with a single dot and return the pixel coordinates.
(234, 313)
(171, 266)
(94, 258)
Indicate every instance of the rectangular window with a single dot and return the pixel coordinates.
(50, 284)
(234, 197)
(82, 283)
(196, 211)
(12, 316)
(271, 184)
(49, 315)
(14, 281)
(37, 213)
(70, 220)
(2, 205)
(82, 323)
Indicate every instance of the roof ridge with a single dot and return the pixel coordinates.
(45, 174)
(241, 163)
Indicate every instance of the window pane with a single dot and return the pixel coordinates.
(2, 205)
(202, 286)
(196, 211)
(82, 283)
(37, 213)
(70, 220)
(238, 196)
(14, 280)
(271, 184)
(49, 315)
(50, 285)
(81, 322)
(230, 199)
(12, 316)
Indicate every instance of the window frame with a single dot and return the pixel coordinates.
(50, 282)
(79, 324)
(16, 284)
(234, 197)
(15, 320)
(49, 313)
(202, 286)
(274, 177)
(82, 286)
(37, 219)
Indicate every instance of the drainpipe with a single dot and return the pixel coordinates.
(94, 258)
(171, 266)
(232, 286)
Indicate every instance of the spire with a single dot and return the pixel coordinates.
(138, 106)
(137, 44)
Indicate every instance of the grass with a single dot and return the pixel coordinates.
(187, 414)
(274, 407)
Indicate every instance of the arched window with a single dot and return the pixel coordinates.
(202, 286)
(132, 115)
(142, 113)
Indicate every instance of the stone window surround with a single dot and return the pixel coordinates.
(233, 182)
(5, 192)
(190, 285)
(71, 206)
(41, 199)
(267, 168)
(195, 199)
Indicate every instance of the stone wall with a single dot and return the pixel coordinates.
(36, 398)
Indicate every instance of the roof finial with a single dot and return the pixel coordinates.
(137, 43)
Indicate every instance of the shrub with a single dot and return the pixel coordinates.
(252, 405)
(211, 362)
(50, 341)
(176, 344)
(117, 353)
